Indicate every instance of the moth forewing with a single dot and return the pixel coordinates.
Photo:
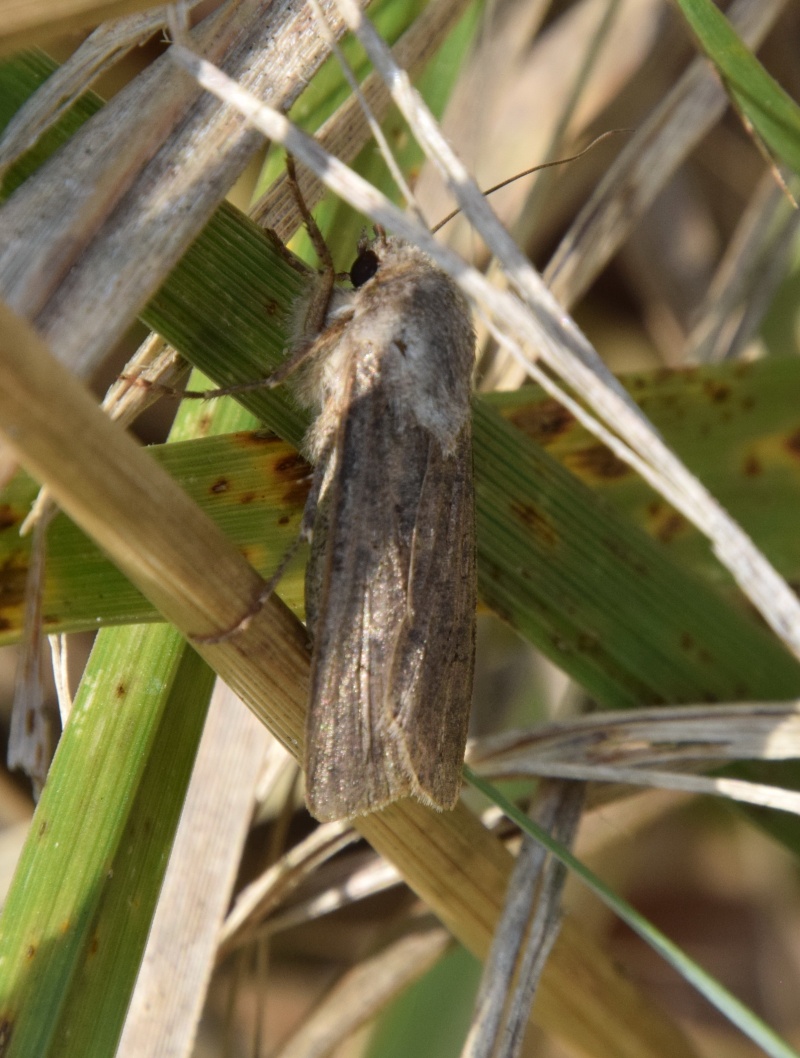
(390, 587)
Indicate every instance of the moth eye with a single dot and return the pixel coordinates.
(364, 267)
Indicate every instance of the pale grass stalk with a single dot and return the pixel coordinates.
(526, 932)
(182, 945)
(371, 120)
(720, 733)
(59, 652)
(747, 278)
(376, 875)
(759, 794)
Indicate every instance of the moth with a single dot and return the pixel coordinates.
(391, 581)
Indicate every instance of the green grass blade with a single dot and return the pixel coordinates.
(64, 926)
(735, 425)
(771, 111)
(557, 560)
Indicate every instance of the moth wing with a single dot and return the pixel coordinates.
(432, 668)
(391, 585)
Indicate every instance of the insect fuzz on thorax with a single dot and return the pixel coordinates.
(390, 585)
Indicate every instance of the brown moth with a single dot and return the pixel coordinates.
(391, 583)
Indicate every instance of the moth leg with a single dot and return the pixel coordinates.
(315, 310)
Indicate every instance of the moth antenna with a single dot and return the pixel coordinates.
(377, 132)
(535, 169)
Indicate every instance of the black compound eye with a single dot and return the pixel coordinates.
(364, 267)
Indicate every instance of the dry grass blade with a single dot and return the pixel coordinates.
(363, 992)
(717, 733)
(636, 748)
(181, 948)
(364, 876)
(257, 900)
(155, 363)
(136, 513)
(646, 163)
(747, 277)
(105, 46)
(526, 931)
(84, 255)
(139, 501)
(22, 24)
(345, 133)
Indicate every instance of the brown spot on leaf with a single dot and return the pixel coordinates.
(257, 438)
(220, 485)
(540, 525)
(297, 494)
(751, 468)
(667, 523)
(588, 642)
(247, 497)
(544, 421)
(600, 462)
(690, 645)
(30, 952)
(42, 828)
(13, 578)
(121, 690)
(8, 516)
(793, 443)
(625, 554)
(6, 1032)
(94, 944)
(748, 402)
(717, 392)
(292, 466)
(560, 644)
